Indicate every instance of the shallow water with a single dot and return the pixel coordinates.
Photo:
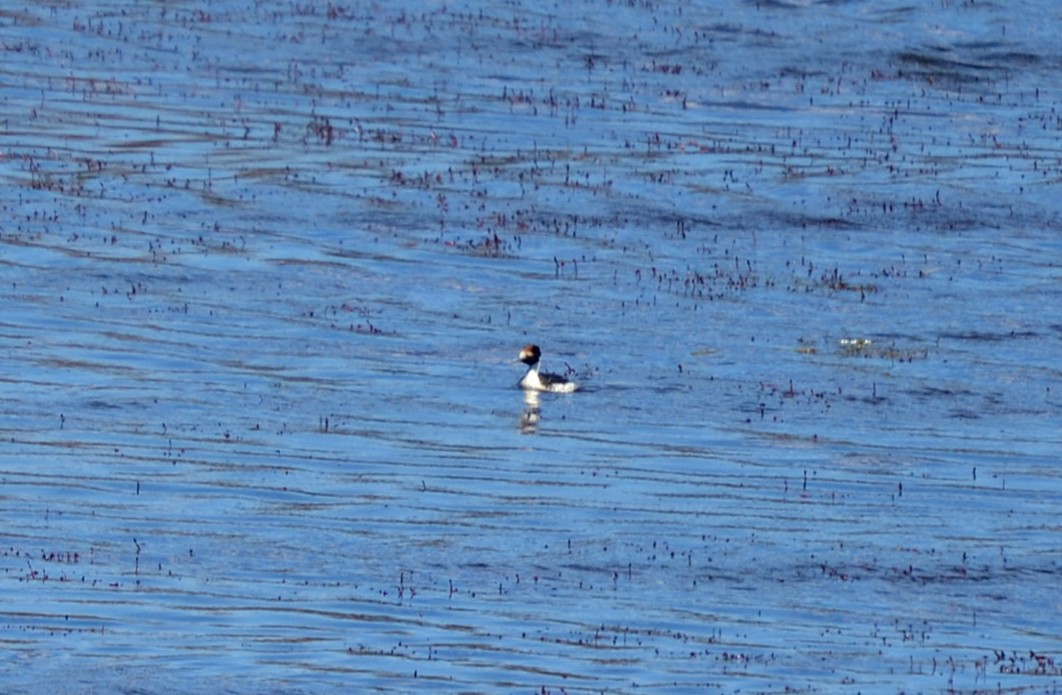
(265, 267)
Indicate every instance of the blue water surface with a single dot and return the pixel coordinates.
(266, 267)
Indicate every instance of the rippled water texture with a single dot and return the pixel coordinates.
(265, 266)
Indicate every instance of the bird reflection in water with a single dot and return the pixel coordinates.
(532, 412)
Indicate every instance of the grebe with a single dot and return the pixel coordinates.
(541, 381)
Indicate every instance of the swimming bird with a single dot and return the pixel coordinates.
(541, 381)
